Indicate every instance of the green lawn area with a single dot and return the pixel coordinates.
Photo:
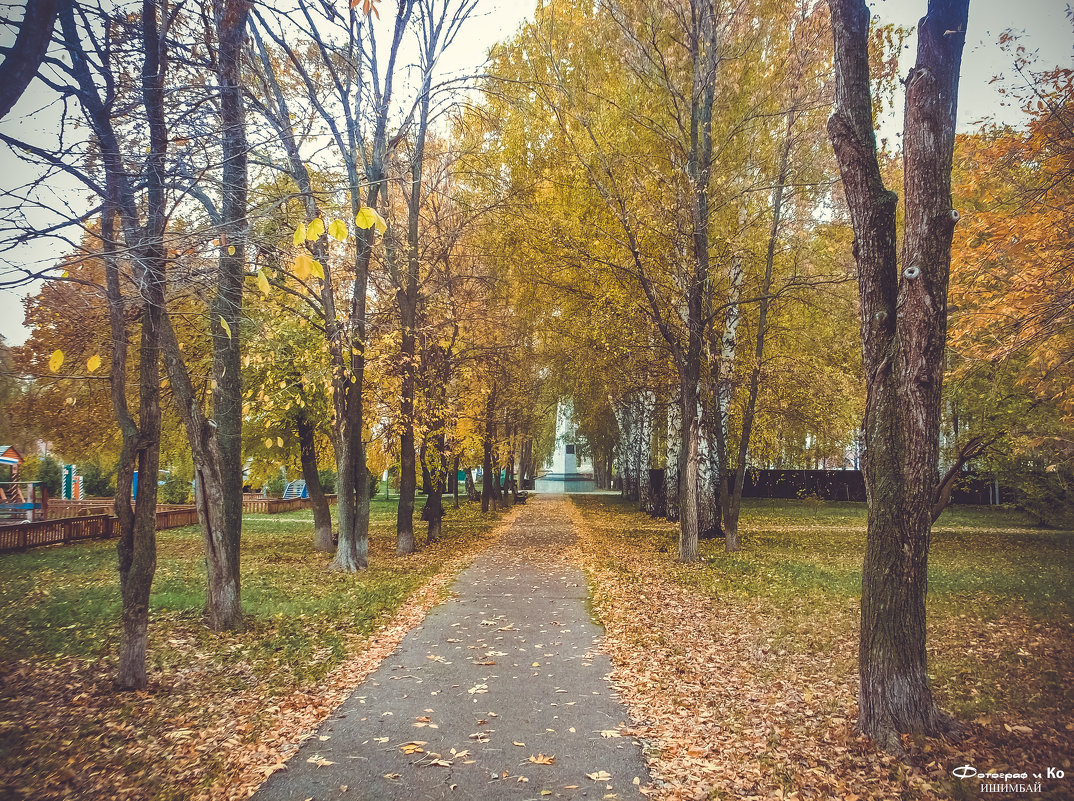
(64, 601)
(1000, 603)
(59, 610)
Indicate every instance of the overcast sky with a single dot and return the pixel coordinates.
(1044, 23)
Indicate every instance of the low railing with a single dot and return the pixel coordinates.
(273, 506)
(20, 536)
(94, 506)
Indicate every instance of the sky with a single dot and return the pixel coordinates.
(1043, 22)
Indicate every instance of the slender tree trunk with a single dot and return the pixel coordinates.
(671, 471)
(219, 468)
(322, 515)
(903, 325)
(734, 504)
(136, 549)
(688, 468)
(646, 407)
(455, 480)
(404, 525)
(471, 487)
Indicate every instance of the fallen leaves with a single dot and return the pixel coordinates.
(599, 776)
(214, 721)
(742, 697)
(541, 759)
(413, 747)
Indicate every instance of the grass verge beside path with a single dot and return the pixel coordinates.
(744, 667)
(221, 709)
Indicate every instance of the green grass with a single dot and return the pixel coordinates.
(1000, 602)
(64, 601)
(59, 626)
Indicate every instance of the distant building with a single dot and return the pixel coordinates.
(568, 474)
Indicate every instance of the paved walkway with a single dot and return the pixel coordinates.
(500, 693)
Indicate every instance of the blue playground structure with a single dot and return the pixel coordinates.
(295, 489)
(23, 502)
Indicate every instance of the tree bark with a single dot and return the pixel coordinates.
(671, 470)
(24, 57)
(487, 464)
(136, 548)
(903, 326)
(322, 515)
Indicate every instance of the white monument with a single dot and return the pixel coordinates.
(568, 474)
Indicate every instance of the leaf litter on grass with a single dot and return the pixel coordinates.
(221, 712)
(737, 696)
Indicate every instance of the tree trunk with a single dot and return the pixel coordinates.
(322, 515)
(455, 480)
(471, 487)
(903, 325)
(671, 470)
(24, 57)
(220, 470)
(136, 548)
(408, 477)
(734, 501)
(646, 405)
(689, 471)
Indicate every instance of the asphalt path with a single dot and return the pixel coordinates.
(500, 694)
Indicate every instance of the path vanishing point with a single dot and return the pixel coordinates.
(501, 693)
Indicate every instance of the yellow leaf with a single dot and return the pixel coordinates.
(56, 360)
(303, 266)
(231, 250)
(225, 326)
(93, 363)
(268, 442)
(300, 235)
(367, 218)
(317, 269)
(337, 229)
(314, 229)
(263, 282)
(279, 441)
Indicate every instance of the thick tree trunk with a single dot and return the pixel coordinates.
(322, 515)
(24, 57)
(903, 323)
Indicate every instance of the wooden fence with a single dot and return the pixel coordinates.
(99, 506)
(20, 536)
(273, 506)
(88, 523)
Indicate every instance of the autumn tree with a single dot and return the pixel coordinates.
(1009, 372)
(903, 327)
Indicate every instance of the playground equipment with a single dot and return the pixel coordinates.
(295, 489)
(72, 484)
(23, 502)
